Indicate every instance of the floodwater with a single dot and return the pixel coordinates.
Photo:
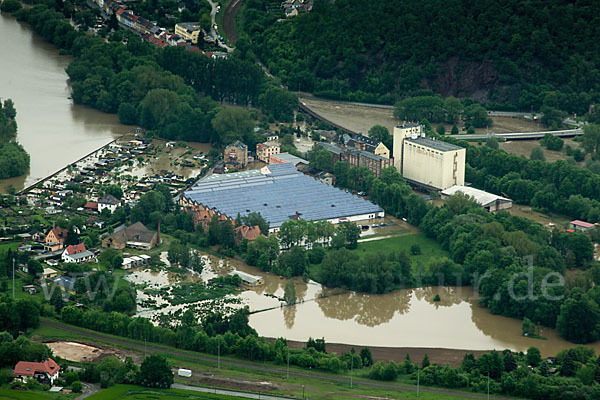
(52, 129)
(404, 318)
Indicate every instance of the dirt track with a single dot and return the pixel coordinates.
(229, 20)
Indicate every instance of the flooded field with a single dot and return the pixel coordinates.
(404, 318)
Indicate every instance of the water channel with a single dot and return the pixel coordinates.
(52, 129)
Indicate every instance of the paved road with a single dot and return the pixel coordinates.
(213, 21)
(521, 135)
(88, 390)
(244, 395)
(251, 366)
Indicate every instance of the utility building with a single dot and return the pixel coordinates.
(489, 201)
(425, 162)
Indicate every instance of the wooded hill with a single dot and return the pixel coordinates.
(517, 54)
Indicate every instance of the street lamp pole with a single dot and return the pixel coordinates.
(13, 278)
(288, 365)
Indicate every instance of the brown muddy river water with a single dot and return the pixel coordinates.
(404, 318)
(52, 129)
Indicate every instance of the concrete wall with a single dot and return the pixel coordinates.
(401, 133)
(433, 167)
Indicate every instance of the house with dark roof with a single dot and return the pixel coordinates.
(362, 142)
(135, 236)
(77, 254)
(109, 202)
(46, 371)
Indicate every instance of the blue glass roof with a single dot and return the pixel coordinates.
(277, 196)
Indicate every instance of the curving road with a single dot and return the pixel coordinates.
(250, 366)
(213, 22)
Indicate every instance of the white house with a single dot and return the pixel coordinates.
(77, 254)
(109, 202)
(45, 371)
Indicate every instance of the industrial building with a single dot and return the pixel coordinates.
(425, 162)
(288, 158)
(358, 158)
(279, 193)
(489, 201)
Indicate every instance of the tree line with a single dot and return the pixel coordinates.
(14, 160)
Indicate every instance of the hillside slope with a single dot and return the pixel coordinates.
(525, 53)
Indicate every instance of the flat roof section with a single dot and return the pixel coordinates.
(434, 144)
(480, 196)
(278, 195)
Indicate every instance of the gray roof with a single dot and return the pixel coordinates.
(290, 158)
(434, 144)
(339, 150)
(82, 254)
(277, 195)
(480, 196)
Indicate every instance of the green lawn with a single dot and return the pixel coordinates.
(10, 394)
(429, 247)
(130, 392)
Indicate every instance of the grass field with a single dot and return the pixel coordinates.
(429, 247)
(207, 374)
(10, 394)
(130, 392)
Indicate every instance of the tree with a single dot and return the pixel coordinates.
(425, 363)
(10, 6)
(127, 114)
(441, 130)
(492, 142)
(553, 117)
(294, 261)
(477, 116)
(350, 232)
(381, 133)
(366, 357)
(579, 318)
(537, 154)
(534, 357)
(591, 138)
(528, 327)
(232, 124)
(323, 160)
(77, 387)
(156, 372)
(279, 102)
(510, 364)
(289, 294)
(454, 130)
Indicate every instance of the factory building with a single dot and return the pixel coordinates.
(489, 201)
(279, 193)
(425, 162)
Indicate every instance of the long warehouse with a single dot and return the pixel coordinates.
(279, 193)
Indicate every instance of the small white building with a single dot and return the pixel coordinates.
(77, 254)
(109, 202)
(489, 201)
(248, 279)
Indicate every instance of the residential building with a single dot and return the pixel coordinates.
(55, 239)
(108, 202)
(358, 158)
(428, 163)
(135, 236)
(77, 254)
(250, 233)
(188, 31)
(580, 226)
(236, 155)
(91, 207)
(362, 142)
(265, 150)
(49, 273)
(489, 201)
(248, 279)
(46, 371)
(288, 158)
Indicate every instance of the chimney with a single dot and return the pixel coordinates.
(297, 215)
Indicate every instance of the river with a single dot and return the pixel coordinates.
(403, 318)
(53, 130)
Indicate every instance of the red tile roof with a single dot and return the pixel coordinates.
(26, 368)
(91, 204)
(60, 233)
(249, 233)
(74, 249)
(583, 224)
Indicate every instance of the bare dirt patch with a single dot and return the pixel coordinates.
(80, 352)
(229, 20)
(239, 384)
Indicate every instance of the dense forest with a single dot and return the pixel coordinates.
(515, 54)
(14, 160)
